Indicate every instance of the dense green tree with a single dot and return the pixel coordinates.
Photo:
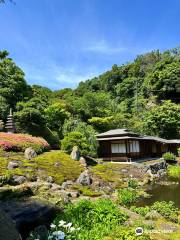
(4, 108)
(55, 115)
(63, 93)
(43, 93)
(30, 113)
(163, 120)
(101, 123)
(13, 86)
(92, 105)
(164, 81)
(129, 88)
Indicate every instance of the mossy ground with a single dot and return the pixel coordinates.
(86, 191)
(56, 164)
(116, 173)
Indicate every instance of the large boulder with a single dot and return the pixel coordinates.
(85, 178)
(83, 162)
(13, 165)
(75, 154)
(30, 153)
(26, 215)
(7, 228)
(17, 180)
(66, 185)
(50, 179)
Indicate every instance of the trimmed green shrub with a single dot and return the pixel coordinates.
(178, 152)
(75, 139)
(174, 171)
(168, 156)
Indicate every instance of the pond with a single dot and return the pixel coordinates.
(167, 189)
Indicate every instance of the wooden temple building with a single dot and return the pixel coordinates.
(122, 145)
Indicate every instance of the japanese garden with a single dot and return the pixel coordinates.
(100, 161)
(49, 165)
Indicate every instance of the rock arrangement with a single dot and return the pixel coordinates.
(155, 170)
(85, 178)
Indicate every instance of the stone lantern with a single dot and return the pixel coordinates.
(10, 128)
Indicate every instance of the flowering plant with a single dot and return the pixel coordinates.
(19, 142)
(59, 231)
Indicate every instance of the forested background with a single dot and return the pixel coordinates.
(142, 96)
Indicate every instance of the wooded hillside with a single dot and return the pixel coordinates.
(142, 95)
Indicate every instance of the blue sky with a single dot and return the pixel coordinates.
(59, 43)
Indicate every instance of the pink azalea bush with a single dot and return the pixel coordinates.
(19, 142)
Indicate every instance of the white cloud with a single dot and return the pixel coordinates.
(104, 47)
(56, 77)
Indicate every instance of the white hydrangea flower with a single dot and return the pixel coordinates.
(61, 223)
(68, 225)
(72, 229)
(52, 225)
(59, 235)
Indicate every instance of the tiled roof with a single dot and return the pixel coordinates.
(158, 139)
(117, 134)
(118, 138)
(113, 132)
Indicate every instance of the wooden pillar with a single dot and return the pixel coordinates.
(127, 148)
